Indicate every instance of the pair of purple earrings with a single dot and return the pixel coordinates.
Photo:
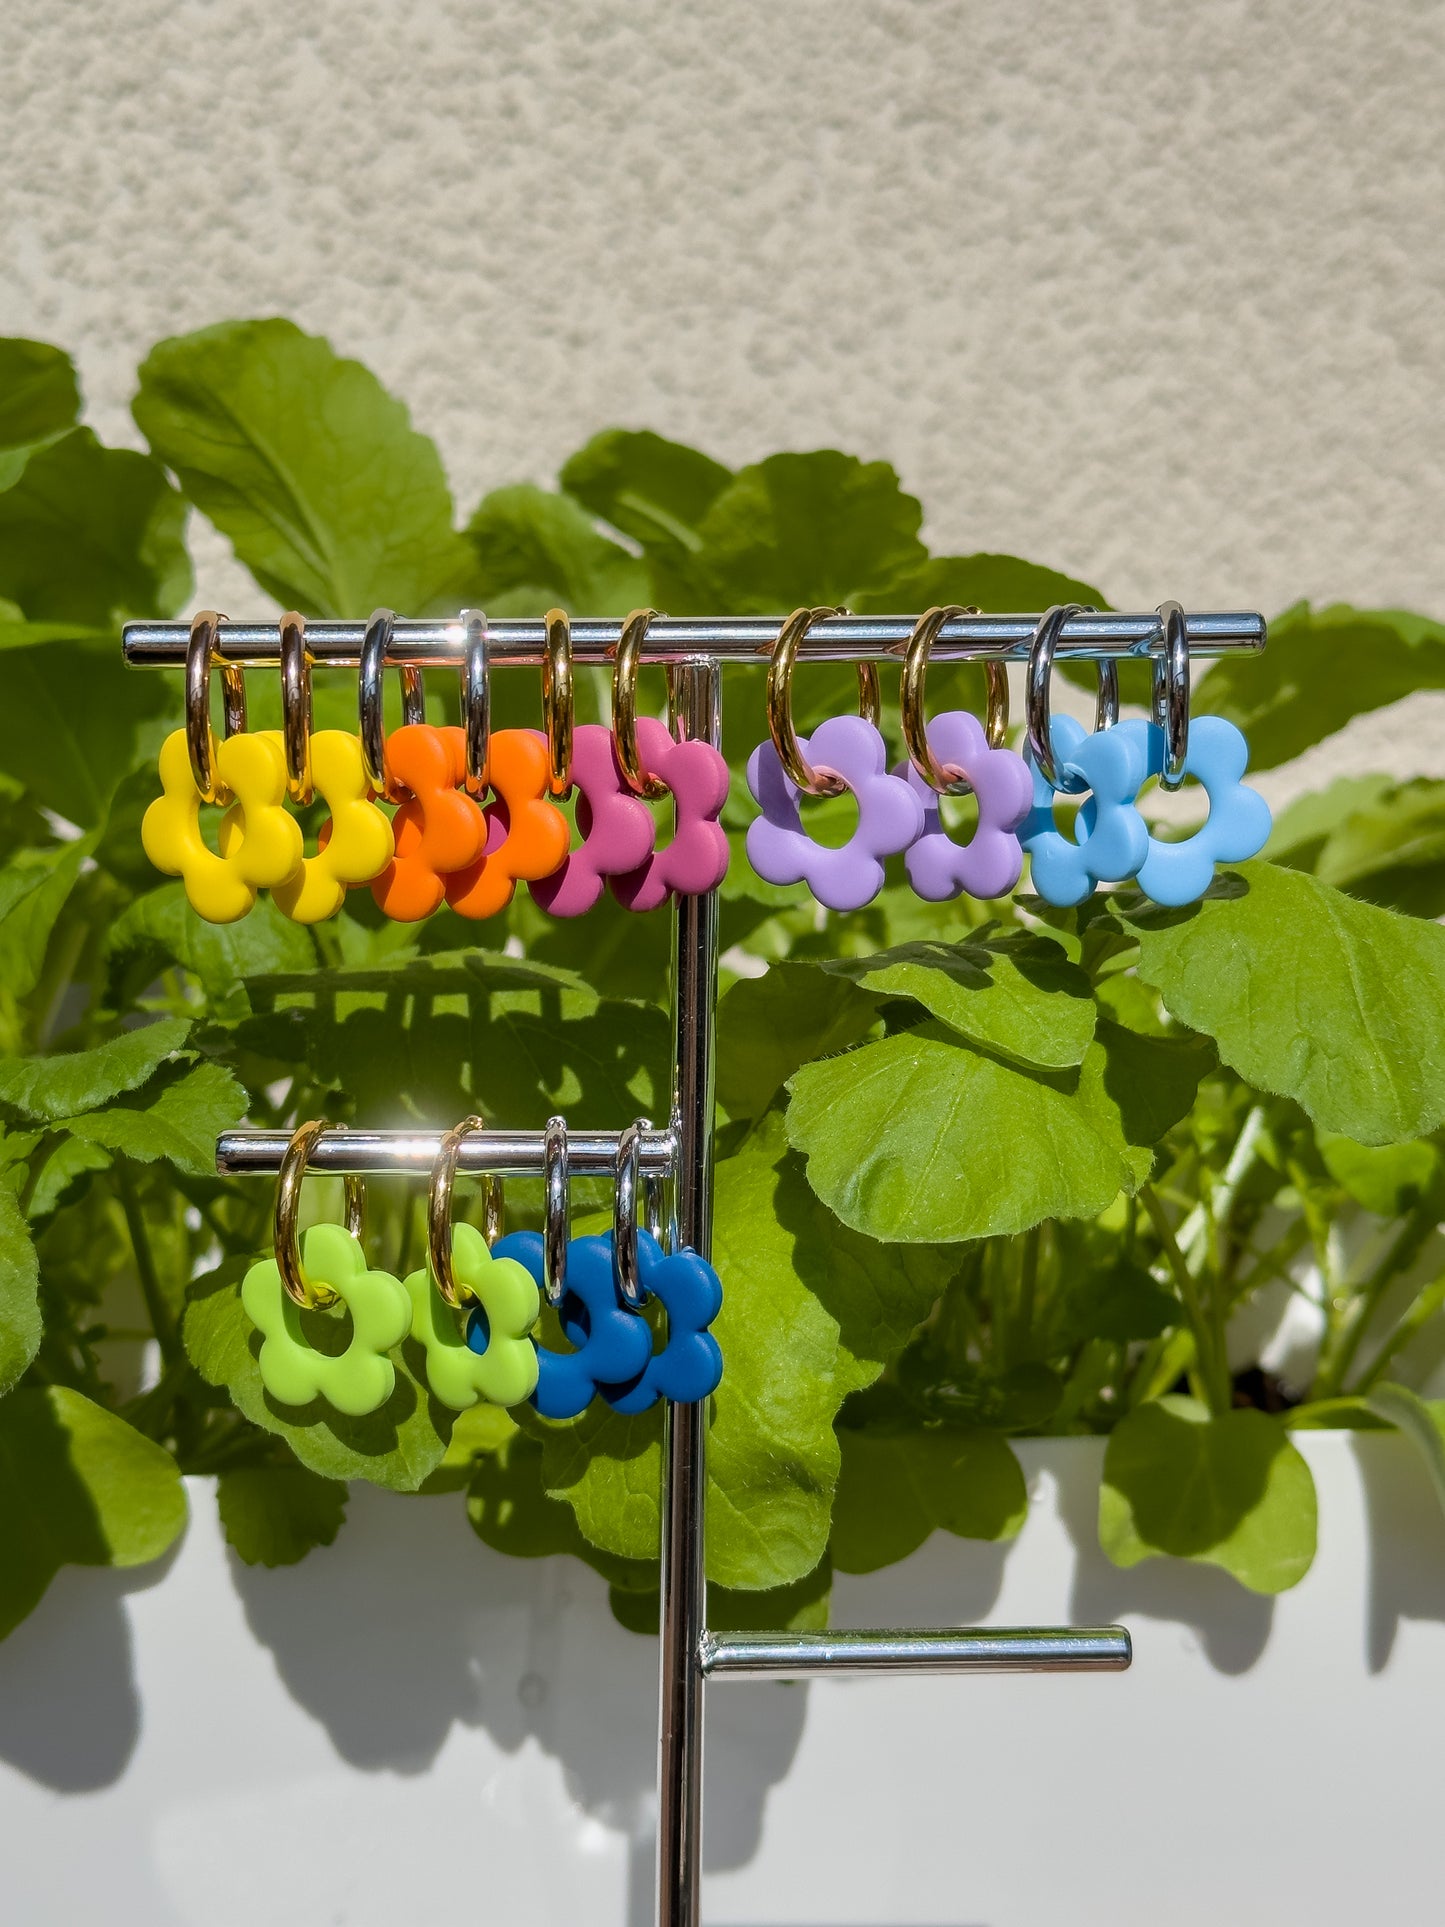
(898, 809)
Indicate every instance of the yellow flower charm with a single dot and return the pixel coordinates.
(260, 845)
(356, 845)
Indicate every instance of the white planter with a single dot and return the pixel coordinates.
(409, 1727)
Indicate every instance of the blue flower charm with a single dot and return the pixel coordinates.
(1238, 823)
(613, 1343)
(1113, 839)
(689, 1366)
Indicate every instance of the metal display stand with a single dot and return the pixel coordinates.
(692, 1653)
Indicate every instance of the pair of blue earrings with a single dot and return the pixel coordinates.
(612, 1356)
(472, 1308)
(1111, 841)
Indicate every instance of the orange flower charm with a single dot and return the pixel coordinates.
(527, 835)
(438, 827)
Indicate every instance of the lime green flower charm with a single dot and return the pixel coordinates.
(361, 1378)
(505, 1371)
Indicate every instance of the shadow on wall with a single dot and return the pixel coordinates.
(1233, 1626)
(70, 1714)
(1407, 1547)
(523, 1648)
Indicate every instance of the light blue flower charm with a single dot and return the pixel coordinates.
(1112, 838)
(1238, 823)
(1113, 843)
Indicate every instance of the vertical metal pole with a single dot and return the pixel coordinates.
(684, 1447)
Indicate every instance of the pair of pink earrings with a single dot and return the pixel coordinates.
(614, 772)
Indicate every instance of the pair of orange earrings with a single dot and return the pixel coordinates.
(449, 846)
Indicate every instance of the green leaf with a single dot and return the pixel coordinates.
(878, 1293)
(405, 1057)
(180, 1122)
(61, 1086)
(997, 584)
(657, 492)
(328, 495)
(510, 1509)
(274, 1515)
(1310, 995)
(219, 954)
(17, 633)
(607, 1467)
(815, 528)
(1122, 1304)
(1387, 1179)
(537, 549)
(1302, 829)
(1152, 1081)
(1016, 994)
(91, 534)
(799, 1608)
(60, 1178)
(397, 1446)
(767, 1026)
(896, 1488)
(34, 888)
(476, 1434)
(39, 399)
(78, 1486)
(1321, 668)
(20, 1327)
(75, 720)
(1229, 1491)
(920, 1137)
(1422, 1422)
(1391, 850)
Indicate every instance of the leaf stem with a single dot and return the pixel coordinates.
(167, 1336)
(1210, 1366)
(1028, 1278)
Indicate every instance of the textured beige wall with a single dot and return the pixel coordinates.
(1153, 293)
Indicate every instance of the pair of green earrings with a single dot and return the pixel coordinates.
(329, 1267)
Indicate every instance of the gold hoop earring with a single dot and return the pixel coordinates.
(781, 662)
(288, 1204)
(624, 703)
(202, 652)
(557, 702)
(439, 1211)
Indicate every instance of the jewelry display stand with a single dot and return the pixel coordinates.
(692, 1654)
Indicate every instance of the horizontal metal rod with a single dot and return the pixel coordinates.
(510, 1154)
(964, 1649)
(745, 639)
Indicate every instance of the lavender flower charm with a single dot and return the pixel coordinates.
(991, 862)
(890, 816)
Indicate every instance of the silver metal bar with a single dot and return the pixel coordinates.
(510, 1154)
(438, 644)
(684, 1450)
(965, 1649)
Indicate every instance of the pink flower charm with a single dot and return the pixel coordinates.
(890, 816)
(991, 862)
(616, 827)
(696, 859)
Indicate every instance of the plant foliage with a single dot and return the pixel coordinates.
(986, 1170)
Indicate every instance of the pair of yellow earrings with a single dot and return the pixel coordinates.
(259, 845)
